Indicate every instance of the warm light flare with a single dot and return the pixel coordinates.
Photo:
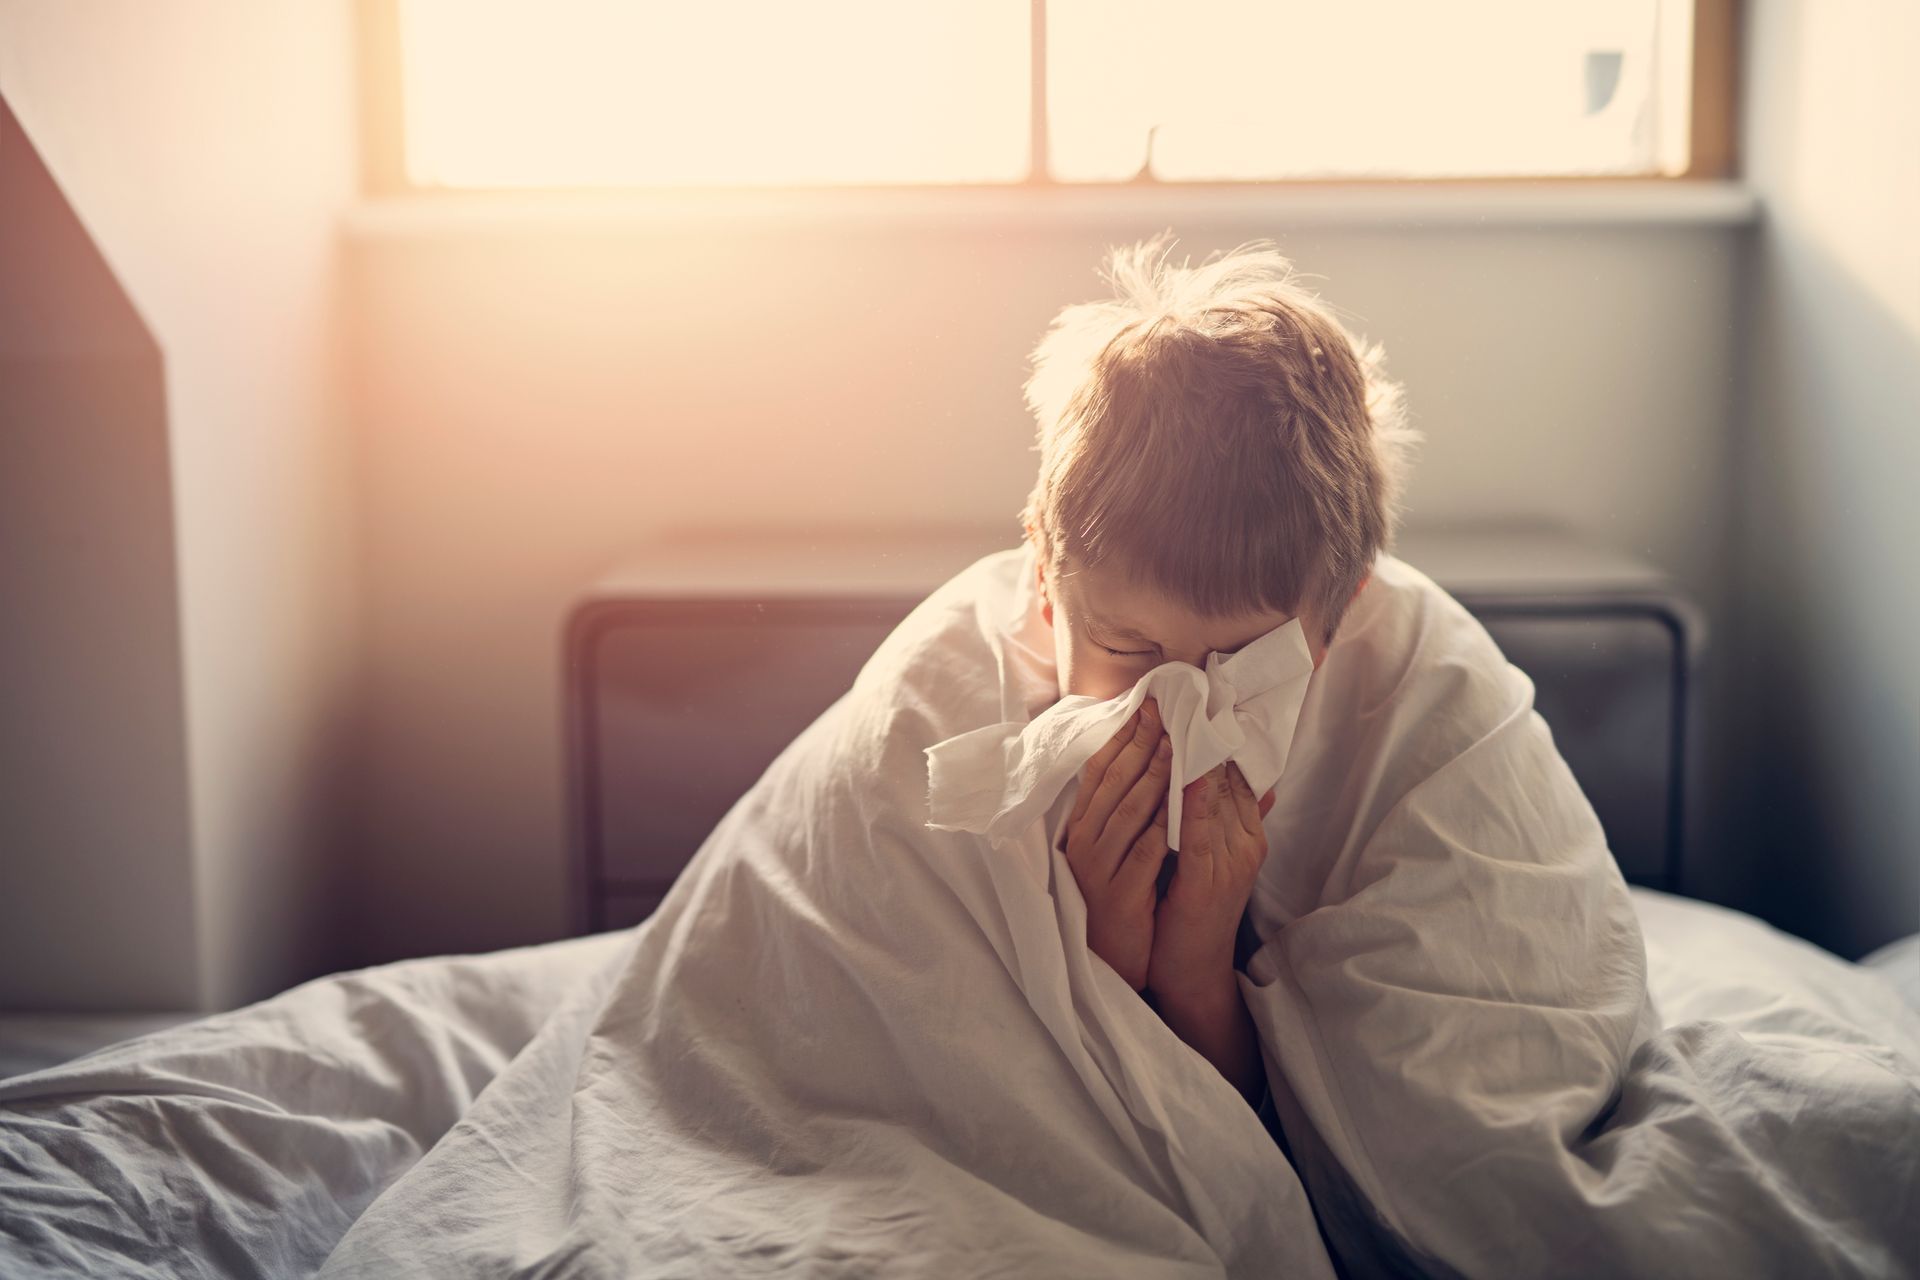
(1238, 90)
(598, 93)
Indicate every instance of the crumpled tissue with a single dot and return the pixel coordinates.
(997, 780)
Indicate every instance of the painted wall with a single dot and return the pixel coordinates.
(1827, 447)
(537, 397)
(208, 147)
(92, 711)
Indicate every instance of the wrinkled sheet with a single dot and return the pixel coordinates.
(1453, 993)
(847, 1044)
(233, 1215)
(34, 1041)
(246, 1143)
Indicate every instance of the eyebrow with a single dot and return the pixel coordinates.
(1117, 632)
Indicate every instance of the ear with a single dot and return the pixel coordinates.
(1046, 597)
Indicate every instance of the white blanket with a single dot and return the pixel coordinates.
(246, 1143)
(848, 1044)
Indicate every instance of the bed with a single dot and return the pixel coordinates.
(251, 1141)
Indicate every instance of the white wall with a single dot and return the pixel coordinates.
(538, 395)
(1828, 448)
(208, 146)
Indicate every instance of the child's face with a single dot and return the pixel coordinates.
(1108, 632)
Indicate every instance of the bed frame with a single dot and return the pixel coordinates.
(686, 673)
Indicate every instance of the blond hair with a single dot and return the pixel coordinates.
(1216, 433)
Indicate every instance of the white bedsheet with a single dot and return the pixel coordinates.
(34, 1041)
(209, 1130)
(245, 1144)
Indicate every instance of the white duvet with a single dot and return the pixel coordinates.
(849, 1044)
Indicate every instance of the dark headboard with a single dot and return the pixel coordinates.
(684, 680)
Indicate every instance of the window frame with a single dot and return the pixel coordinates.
(1712, 144)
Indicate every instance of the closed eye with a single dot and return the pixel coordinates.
(1123, 653)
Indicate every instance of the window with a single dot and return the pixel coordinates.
(502, 94)
(716, 93)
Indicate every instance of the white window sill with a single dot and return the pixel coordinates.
(1409, 207)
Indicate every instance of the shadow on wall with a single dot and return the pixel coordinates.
(94, 836)
(1825, 825)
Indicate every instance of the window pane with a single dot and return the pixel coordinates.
(1255, 89)
(722, 92)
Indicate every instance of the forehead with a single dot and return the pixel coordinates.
(1119, 608)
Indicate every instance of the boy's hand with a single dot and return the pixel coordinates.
(1222, 846)
(1116, 838)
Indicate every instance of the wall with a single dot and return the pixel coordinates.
(92, 714)
(208, 147)
(541, 389)
(1827, 448)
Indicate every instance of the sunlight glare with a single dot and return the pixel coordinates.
(727, 92)
(1253, 89)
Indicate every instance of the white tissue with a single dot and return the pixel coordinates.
(997, 780)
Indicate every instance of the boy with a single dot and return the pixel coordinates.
(1216, 458)
(1441, 927)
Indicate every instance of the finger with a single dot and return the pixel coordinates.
(1140, 867)
(1199, 816)
(1125, 770)
(1136, 809)
(1266, 803)
(1096, 766)
(1246, 809)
